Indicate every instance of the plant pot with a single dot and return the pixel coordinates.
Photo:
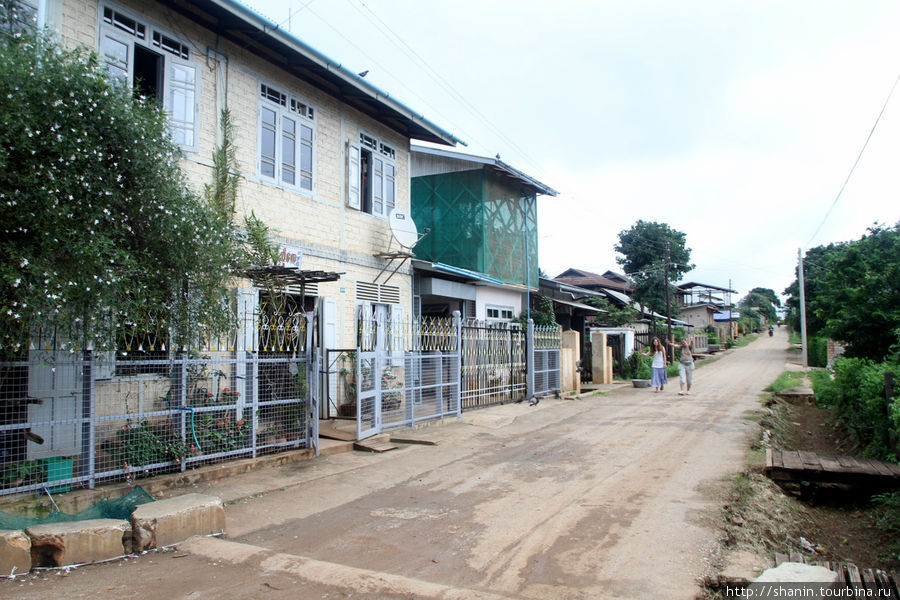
(640, 383)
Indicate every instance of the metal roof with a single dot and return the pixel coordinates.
(580, 305)
(705, 286)
(492, 163)
(433, 267)
(251, 31)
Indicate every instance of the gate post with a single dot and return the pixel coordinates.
(529, 361)
(457, 330)
(312, 387)
(88, 457)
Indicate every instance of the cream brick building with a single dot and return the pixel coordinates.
(324, 156)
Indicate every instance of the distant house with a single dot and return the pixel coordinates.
(703, 305)
(479, 253)
(609, 280)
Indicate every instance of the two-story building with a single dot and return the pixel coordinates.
(324, 155)
(479, 250)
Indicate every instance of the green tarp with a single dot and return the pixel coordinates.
(119, 508)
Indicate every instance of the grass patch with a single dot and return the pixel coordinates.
(743, 340)
(601, 393)
(786, 381)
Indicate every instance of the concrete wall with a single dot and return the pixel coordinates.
(489, 296)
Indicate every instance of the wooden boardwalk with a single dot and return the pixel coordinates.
(790, 468)
(863, 583)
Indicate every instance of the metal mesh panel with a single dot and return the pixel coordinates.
(407, 371)
(547, 342)
(74, 419)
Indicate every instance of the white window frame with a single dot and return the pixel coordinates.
(292, 126)
(380, 197)
(503, 314)
(180, 74)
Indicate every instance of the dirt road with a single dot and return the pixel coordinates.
(599, 497)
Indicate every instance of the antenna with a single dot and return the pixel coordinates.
(403, 228)
(405, 233)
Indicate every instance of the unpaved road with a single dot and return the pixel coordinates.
(600, 497)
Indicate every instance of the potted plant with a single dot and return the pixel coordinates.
(640, 370)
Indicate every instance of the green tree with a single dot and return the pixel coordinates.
(98, 222)
(853, 292)
(644, 248)
(612, 315)
(768, 294)
(759, 303)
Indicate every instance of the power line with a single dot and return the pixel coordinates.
(856, 162)
(393, 37)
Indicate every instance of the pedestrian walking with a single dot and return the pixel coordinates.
(659, 378)
(685, 363)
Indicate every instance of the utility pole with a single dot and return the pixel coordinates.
(803, 353)
(668, 305)
(730, 337)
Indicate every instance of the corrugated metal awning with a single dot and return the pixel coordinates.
(580, 305)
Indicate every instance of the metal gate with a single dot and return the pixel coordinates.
(493, 363)
(545, 349)
(406, 372)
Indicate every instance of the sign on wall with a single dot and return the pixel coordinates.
(289, 256)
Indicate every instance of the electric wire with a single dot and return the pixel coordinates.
(381, 68)
(393, 37)
(856, 162)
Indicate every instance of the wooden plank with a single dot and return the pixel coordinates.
(841, 571)
(894, 467)
(409, 440)
(797, 557)
(895, 583)
(855, 579)
(779, 459)
(781, 558)
(882, 582)
(327, 430)
(769, 460)
(831, 464)
(374, 446)
(792, 461)
(880, 467)
(869, 580)
(810, 460)
(865, 467)
(846, 461)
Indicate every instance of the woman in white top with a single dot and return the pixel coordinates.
(685, 363)
(660, 378)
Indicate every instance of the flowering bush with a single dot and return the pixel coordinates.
(94, 210)
(229, 396)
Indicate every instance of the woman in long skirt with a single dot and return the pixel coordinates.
(659, 378)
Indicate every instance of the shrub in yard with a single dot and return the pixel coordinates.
(825, 390)
(859, 401)
(888, 519)
(818, 351)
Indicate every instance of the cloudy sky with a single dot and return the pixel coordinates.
(735, 122)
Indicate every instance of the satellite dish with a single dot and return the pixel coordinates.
(403, 228)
